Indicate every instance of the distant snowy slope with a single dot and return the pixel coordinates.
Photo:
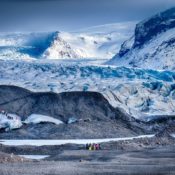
(95, 42)
(153, 44)
(100, 41)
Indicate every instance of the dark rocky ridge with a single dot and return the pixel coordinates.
(91, 105)
(97, 118)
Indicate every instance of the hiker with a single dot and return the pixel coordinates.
(87, 146)
(96, 146)
(93, 146)
(9, 117)
(90, 147)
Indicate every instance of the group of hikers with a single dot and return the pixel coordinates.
(93, 146)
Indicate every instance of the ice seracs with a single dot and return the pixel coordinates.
(139, 92)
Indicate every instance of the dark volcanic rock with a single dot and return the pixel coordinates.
(96, 117)
(82, 105)
(167, 132)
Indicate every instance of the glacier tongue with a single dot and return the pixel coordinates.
(140, 92)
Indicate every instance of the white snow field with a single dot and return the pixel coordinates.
(96, 42)
(36, 157)
(140, 92)
(62, 142)
(37, 118)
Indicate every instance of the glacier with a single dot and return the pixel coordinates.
(140, 92)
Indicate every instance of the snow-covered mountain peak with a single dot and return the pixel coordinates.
(152, 45)
(59, 48)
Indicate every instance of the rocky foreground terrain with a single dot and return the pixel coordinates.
(149, 156)
(152, 162)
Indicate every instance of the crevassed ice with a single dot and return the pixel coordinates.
(140, 92)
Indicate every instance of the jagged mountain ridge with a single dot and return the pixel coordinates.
(152, 45)
(34, 45)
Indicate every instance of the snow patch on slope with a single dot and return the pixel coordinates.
(38, 118)
(10, 121)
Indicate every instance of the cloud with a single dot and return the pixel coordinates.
(71, 14)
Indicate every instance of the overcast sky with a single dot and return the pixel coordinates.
(69, 15)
